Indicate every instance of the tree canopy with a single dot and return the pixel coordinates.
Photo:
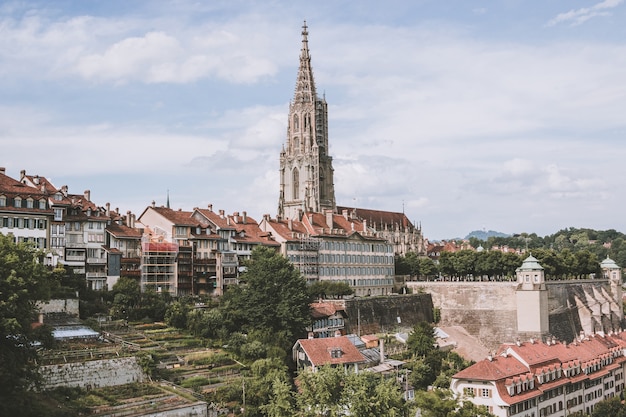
(272, 299)
(23, 281)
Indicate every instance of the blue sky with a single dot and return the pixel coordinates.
(506, 115)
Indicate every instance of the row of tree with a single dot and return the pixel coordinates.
(602, 243)
(498, 266)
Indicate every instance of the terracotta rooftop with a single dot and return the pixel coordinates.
(378, 218)
(320, 310)
(320, 350)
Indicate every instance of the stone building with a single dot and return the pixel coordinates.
(306, 169)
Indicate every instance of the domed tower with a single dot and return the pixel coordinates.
(306, 170)
(532, 298)
(612, 272)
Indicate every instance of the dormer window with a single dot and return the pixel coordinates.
(42, 204)
(17, 202)
(58, 197)
(3, 201)
(29, 203)
(336, 352)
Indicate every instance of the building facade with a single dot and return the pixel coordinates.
(333, 247)
(536, 379)
(196, 252)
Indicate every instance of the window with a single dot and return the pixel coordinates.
(17, 202)
(29, 203)
(296, 145)
(58, 214)
(296, 123)
(485, 393)
(296, 184)
(3, 201)
(42, 204)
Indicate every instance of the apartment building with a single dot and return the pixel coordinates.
(196, 252)
(546, 378)
(336, 247)
(69, 228)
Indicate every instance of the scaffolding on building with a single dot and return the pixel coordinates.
(158, 266)
(308, 259)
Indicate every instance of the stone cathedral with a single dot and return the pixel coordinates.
(306, 169)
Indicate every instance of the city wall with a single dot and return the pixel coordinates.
(488, 310)
(388, 314)
(92, 374)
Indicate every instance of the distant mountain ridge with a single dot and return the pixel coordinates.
(484, 235)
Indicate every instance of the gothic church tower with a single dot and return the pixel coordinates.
(306, 170)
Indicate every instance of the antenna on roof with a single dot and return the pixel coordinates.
(168, 199)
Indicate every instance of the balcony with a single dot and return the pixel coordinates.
(96, 275)
(98, 261)
(75, 258)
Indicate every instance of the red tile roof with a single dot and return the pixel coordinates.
(510, 365)
(319, 351)
(320, 310)
(379, 219)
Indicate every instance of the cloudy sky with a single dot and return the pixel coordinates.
(506, 115)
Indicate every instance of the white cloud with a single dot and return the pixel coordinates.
(579, 16)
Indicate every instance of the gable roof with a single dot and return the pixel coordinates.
(319, 351)
(378, 218)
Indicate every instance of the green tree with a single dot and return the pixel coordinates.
(176, 314)
(205, 322)
(23, 281)
(126, 298)
(611, 407)
(281, 402)
(428, 269)
(440, 403)
(368, 394)
(329, 289)
(421, 341)
(321, 391)
(273, 299)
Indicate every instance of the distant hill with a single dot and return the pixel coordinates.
(484, 235)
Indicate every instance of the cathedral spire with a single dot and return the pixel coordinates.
(305, 84)
(306, 170)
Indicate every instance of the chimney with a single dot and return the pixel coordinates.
(153, 204)
(132, 216)
(128, 219)
(344, 214)
(266, 217)
(36, 179)
(87, 195)
(210, 207)
(290, 224)
(236, 217)
(108, 207)
(64, 190)
(22, 174)
(245, 217)
(221, 213)
(364, 225)
(3, 170)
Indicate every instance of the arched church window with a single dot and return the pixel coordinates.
(296, 145)
(296, 184)
(322, 188)
(307, 120)
(296, 123)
